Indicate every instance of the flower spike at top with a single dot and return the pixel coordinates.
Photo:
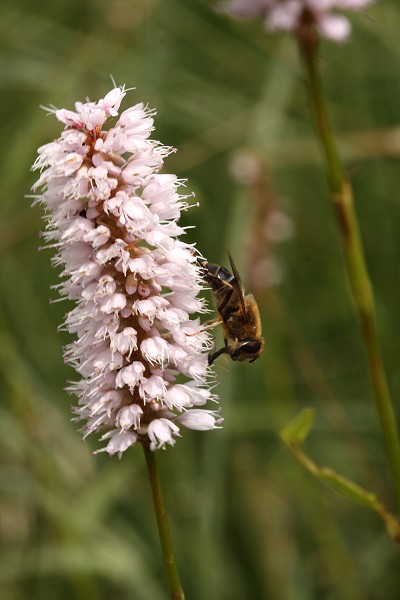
(291, 15)
(114, 221)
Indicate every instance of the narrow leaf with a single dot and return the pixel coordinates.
(298, 429)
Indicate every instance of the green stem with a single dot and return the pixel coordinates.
(342, 199)
(163, 527)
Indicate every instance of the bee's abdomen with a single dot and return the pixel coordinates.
(217, 272)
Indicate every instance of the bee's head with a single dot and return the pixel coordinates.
(248, 350)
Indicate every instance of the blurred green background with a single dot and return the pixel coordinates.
(247, 521)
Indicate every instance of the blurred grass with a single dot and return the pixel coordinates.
(247, 521)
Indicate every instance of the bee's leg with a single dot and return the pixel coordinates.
(211, 324)
(214, 355)
(207, 325)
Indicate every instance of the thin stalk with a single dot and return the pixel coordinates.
(342, 199)
(164, 533)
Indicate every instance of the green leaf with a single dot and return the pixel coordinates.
(346, 488)
(296, 432)
(298, 429)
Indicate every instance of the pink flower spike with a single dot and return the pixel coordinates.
(290, 15)
(113, 219)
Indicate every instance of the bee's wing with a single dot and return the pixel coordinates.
(238, 281)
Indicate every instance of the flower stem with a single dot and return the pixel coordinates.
(163, 527)
(342, 199)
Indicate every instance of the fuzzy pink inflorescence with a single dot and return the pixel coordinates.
(287, 15)
(113, 219)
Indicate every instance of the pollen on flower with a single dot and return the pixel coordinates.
(290, 15)
(113, 219)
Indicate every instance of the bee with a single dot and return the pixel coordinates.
(238, 314)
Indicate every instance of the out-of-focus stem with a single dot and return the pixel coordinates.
(342, 199)
(175, 587)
